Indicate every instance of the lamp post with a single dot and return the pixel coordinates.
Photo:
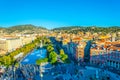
(41, 69)
(41, 75)
(14, 70)
(14, 73)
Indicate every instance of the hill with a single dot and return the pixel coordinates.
(75, 29)
(28, 28)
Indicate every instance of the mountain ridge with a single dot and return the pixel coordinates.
(32, 28)
(21, 28)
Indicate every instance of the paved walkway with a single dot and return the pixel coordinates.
(113, 76)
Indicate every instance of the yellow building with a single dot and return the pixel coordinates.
(8, 44)
(27, 39)
(80, 50)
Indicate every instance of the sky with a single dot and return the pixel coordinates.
(60, 13)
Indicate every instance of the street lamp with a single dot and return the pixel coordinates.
(41, 75)
(14, 73)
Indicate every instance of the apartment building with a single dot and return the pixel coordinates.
(9, 43)
(107, 54)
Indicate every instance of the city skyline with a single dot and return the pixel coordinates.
(52, 14)
(59, 40)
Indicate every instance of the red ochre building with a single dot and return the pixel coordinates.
(106, 55)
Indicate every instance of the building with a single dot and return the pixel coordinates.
(108, 54)
(9, 43)
(71, 48)
(80, 51)
(27, 39)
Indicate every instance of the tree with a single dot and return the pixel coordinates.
(63, 56)
(62, 51)
(39, 61)
(53, 57)
(50, 48)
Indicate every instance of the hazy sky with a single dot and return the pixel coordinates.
(57, 13)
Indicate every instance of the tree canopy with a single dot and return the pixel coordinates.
(9, 59)
(63, 56)
(39, 61)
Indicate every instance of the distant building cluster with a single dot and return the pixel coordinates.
(10, 43)
(105, 49)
